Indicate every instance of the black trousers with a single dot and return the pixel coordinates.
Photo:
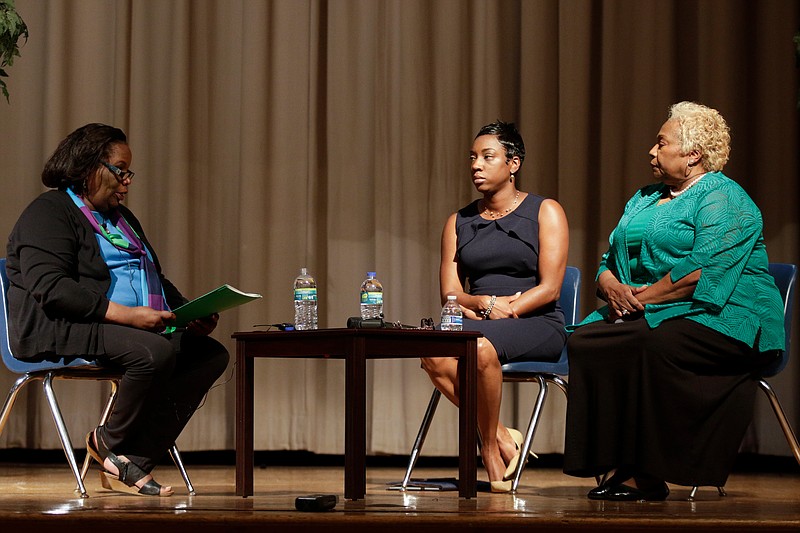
(673, 402)
(165, 379)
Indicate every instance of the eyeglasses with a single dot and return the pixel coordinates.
(120, 174)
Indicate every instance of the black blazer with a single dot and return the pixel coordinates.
(59, 281)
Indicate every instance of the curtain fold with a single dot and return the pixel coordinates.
(272, 135)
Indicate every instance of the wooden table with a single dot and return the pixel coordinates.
(355, 346)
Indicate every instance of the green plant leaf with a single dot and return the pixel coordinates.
(12, 29)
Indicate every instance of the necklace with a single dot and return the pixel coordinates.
(675, 194)
(499, 214)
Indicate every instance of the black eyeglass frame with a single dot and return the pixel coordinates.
(120, 174)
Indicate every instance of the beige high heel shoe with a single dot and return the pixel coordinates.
(500, 486)
(518, 439)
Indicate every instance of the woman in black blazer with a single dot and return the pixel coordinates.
(85, 282)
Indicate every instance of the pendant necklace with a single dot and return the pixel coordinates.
(499, 214)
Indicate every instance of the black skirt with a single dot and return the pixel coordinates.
(673, 402)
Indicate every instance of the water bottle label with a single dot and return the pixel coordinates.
(372, 298)
(305, 294)
(453, 320)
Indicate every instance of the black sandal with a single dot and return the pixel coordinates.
(129, 473)
(123, 484)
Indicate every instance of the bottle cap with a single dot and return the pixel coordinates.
(451, 296)
(370, 274)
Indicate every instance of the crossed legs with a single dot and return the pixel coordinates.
(164, 381)
(497, 446)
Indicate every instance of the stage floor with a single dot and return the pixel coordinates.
(41, 498)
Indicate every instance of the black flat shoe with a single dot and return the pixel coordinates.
(624, 493)
(601, 491)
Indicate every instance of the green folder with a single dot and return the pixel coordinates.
(216, 301)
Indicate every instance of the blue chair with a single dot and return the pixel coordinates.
(47, 372)
(785, 278)
(541, 372)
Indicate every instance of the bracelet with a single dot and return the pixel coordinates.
(489, 309)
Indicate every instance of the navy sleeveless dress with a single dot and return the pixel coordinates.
(501, 257)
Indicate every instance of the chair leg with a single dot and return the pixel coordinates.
(423, 432)
(542, 380)
(693, 493)
(112, 397)
(526, 445)
(63, 434)
(784, 422)
(178, 460)
(12, 397)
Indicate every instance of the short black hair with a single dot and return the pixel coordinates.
(508, 137)
(79, 154)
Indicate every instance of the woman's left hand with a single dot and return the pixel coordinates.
(203, 326)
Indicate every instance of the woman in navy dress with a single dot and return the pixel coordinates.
(503, 257)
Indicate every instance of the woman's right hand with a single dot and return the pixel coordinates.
(141, 317)
(502, 307)
(621, 298)
(149, 319)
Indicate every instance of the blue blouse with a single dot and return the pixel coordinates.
(128, 278)
(128, 281)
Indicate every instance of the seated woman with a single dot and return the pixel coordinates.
(661, 384)
(504, 257)
(85, 282)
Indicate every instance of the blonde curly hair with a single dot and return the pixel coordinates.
(703, 129)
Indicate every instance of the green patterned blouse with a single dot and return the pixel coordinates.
(717, 228)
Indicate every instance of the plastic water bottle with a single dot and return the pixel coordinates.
(305, 301)
(371, 297)
(452, 318)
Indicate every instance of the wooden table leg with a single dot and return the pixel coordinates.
(355, 432)
(244, 422)
(467, 421)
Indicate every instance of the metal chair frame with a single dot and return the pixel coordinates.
(785, 275)
(540, 372)
(47, 372)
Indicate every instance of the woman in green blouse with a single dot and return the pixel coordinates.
(660, 378)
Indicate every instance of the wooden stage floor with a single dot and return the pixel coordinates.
(36, 497)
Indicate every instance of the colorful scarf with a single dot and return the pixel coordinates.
(134, 246)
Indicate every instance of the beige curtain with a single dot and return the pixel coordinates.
(272, 135)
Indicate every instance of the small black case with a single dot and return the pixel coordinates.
(316, 502)
(356, 322)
